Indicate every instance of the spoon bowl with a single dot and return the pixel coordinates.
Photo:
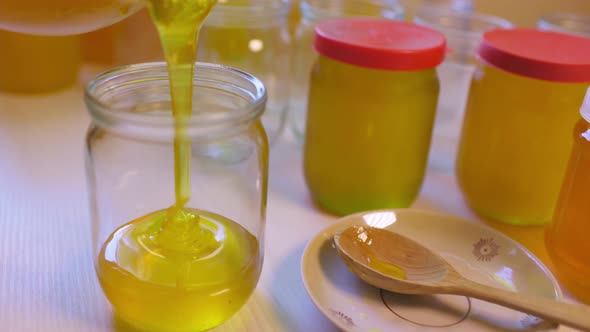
(360, 247)
(393, 262)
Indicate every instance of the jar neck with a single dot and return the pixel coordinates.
(315, 11)
(134, 101)
(251, 14)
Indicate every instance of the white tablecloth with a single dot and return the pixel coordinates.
(47, 281)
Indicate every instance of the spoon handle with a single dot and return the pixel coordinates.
(574, 315)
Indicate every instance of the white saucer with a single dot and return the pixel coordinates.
(476, 251)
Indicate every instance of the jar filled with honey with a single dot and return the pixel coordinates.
(133, 40)
(567, 237)
(187, 264)
(522, 106)
(63, 17)
(372, 101)
(314, 12)
(38, 64)
(253, 35)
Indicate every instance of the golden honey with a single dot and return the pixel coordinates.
(514, 148)
(179, 269)
(567, 237)
(366, 151)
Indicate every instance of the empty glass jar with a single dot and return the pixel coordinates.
(463, 32)
(164, 267)
(314, 12)
(253, 35)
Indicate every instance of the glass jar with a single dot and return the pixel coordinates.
(522, 106)
(255, 35)
(463, 32)
(567, 237)
(176, 269)
(314, 12)
(574, 23)
(294, 17)
(38, 64)
(461, 6)
(372, 104)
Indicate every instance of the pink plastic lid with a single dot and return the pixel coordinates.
(380, 44)
(545, 55)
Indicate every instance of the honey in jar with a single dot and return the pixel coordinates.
(522, 107)
(371, 109)
(63, 17)
(567, 237)
(38, 64)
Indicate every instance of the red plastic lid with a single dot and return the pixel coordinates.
(545, 55)
(380, 44)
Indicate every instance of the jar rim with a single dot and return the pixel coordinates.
(108, 115)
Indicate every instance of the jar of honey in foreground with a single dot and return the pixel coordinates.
(522, 107)
(371, 108)
(567, 238)
(165, 266)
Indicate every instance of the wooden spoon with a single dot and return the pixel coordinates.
(393, 262)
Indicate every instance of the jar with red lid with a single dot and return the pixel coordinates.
(371, 107)
(516, 137)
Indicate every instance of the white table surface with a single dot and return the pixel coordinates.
(47, 281)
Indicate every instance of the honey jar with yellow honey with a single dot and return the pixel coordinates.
(516, 137)
(372, 103)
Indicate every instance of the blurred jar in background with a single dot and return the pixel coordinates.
(312, 13)
(253, 35)
(525, 13)
(573, 23)
(463, 32)
(98, 47)
(134, 40)
(63, 17)
(294, 17)
(412, 6)
(38, 64)
(461, 6)
(520, 12)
